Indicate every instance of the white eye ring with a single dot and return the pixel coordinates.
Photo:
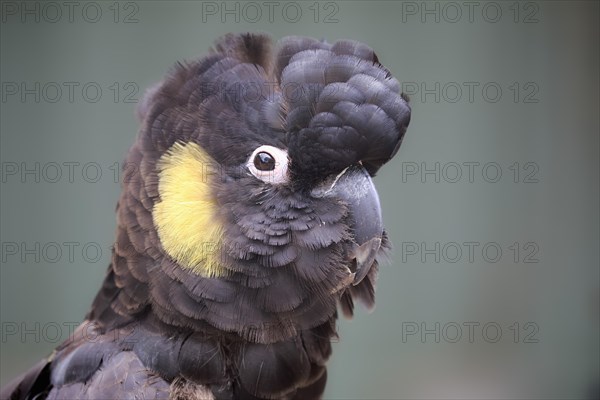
(269, 164)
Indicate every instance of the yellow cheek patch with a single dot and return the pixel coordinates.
(185, 216)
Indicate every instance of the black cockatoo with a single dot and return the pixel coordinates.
(247, 218)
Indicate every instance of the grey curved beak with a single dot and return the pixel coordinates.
(355, 187)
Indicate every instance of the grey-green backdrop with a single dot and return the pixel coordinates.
(492, 202)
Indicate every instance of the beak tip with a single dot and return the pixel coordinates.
(365, 257)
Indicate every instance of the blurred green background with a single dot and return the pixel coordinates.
(491, 203)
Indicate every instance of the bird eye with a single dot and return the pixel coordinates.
(263, 161)
(269, 164)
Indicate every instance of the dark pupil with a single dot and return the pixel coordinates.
(264, 162)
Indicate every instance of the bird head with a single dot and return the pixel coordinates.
(252, 210)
